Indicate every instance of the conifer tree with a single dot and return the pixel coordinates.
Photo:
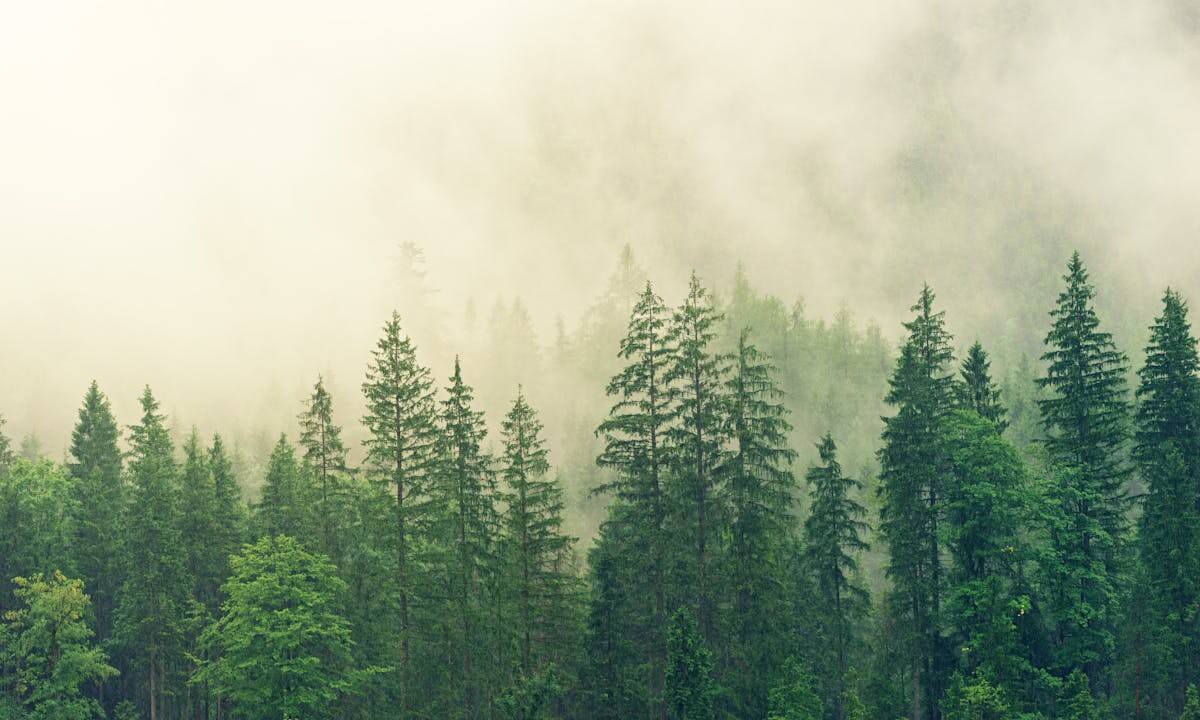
(634, 436)
(6, 452)
(833, 539)
(229, 509)
(284, 508)
(690, 687)
(977, 390)
(1168, 454)
(466, 486)
(154, 593)
(1085, 417)
(759, 484)
(539, 551)
(325, 459)
(95, 463)
(401, 450)
(197, 523)
(696, 376)
(913, 465)
(612, 681)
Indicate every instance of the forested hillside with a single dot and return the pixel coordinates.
(695, 507)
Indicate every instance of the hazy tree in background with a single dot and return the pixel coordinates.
(913, 467)
(229, 509)
(6, 451)
(1085, 416)
(284, 508)
(154, 594)
(696, 378)
(325, 459)
(401, 450)
(833, 540)
(978, 391)
(634, 437)
(759, 486)
(95, 463)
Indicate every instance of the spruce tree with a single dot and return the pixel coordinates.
(913, 467)
(1085, 416)
(324, 459)
(539, 552)
(401, 418)
(977, 390)
(759, 485)
(833, 540)
(284, 508)
(6, 452)
(1168, 454)
(197, 523)
(154, 593)
(696, 377)
(466, 486)
(229, 509)
(95, 463)
(690, 687)
(634, 436)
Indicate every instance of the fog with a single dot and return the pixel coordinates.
(210, 197)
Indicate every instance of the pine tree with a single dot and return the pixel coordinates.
(1085, 418)
(1075, 699)
(696, 376)
(758, 481)
(100, 498)
(1168, 454)
(197, 523)
(1191, 706)
(229, 509)
(690, 687)
(284, 508)
(539, 552)
(154, 593)
(325, 460)
(913, 466)
(634, 437)
(466, 486)
(977, 390)
(401, 450)
(833, 541)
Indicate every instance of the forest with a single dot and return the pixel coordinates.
(749, 513)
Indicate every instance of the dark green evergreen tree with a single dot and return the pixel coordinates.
(154, 594)
(913, 470)
(95, 463)
(1085, 416)
(634, 436)
(401, 417)
(229, 508)
(284, 508)
(977, 390)
(833, 540)
(325, 460)
(696, 377)
(690, 687)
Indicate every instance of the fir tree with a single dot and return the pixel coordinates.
(95, 463)
(284, 508)
(913, 466)
(696, 377)
(6, 452)
(325, 460)
(154, 593)
(977, 390)
(759, 484)
(690, 687)
(833, 541)
(634, 437)
(401, 450)
(197, 523)
(1085, 418)
(229, 509)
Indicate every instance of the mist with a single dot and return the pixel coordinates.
(211, 198)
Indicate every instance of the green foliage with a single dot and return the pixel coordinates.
(325, 461)
(37, 506)
(690, 688)
(1075, 699)
(531, 696)
(47, 648)
(976, 390)
(285, 507)
(977, 699)
(794, 695)
(281, 646)
(1191, 707)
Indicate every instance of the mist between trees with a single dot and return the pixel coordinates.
(704, 506)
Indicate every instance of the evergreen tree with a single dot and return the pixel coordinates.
(913, 468)
(37, 508)
(46, 647)
(793, 696)
(197, 523)
(229, 509)
(325, 460)
(759, 483)
(1075, 699)
(466, 486)
(284, 508)
(612, 681)
(1191, 706)
(1168, 454)
(977, 390)
(634, 437)
(539, 551)
(690, 687)
(833, 540)
(100, 498)
(401, 449)
(6, 452)
(975, 700)
(154, 593)
(1085, 419)
(696, 376)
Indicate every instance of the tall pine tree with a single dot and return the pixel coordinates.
(325, 460)
(977, 390)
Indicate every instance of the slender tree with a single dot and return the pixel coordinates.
(284, 508)
(976, 389)
(325, 459)
(690, 687)
(1085, 416)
